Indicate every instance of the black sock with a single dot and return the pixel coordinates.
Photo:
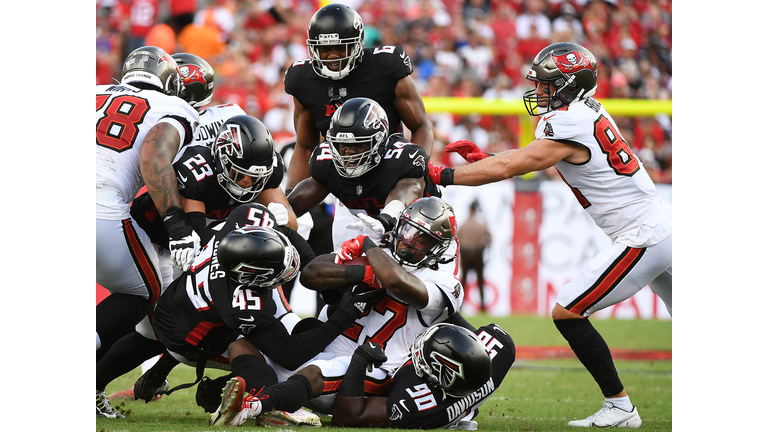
(255, 371)
(593, 353)
(125, 355)
(116, 316)
(289, 395)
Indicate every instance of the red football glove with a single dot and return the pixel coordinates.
(370, 278)
(468, 150)
(434, 173)
(350, 249)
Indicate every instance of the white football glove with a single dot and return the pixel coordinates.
(280, 212)
(370, 227)
(184, 250)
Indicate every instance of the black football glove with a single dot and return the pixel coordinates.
(357, 303)
(372, 353)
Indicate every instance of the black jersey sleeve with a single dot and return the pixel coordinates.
(194, 174)
(296, 74)
(278, 171)
(392, 61)
(248, 214)
(306, 254)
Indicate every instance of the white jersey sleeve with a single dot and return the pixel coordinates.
(612, 186)
(124, 115)
(211, 120)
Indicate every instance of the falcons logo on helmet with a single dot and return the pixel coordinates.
(446, 370)
(572, 62)
(231, 136)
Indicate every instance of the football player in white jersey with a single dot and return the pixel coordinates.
(418, 295)
(579, 138)
(141, 124)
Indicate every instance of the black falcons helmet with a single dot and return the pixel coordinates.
(427, 225)
(258, 257)
(244, 148)
(336, 24)
(196, 79)
(358, 120)
(152, 65)
(452, 358)
(570, 67)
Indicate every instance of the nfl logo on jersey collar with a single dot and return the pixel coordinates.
(359, 189)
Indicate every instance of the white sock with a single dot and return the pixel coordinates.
(621, 403)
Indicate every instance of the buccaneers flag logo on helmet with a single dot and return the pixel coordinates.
(572, 62)
(192, 73)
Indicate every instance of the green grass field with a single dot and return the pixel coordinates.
(537, 395)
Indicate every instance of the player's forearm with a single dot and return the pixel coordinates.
(424, 137)
(156, 164)
(488, 170)
(322, 274)
(298, 168)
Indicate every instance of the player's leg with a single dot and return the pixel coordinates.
(127, 266)
(609, 278)
(662, 284)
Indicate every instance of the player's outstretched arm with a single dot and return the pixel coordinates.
(536, 156)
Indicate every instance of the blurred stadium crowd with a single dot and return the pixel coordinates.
(460, 48)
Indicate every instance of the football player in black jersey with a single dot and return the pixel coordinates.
(450, 372)
(372, 173)
(339, 68)
(242, 167)
(228, 293)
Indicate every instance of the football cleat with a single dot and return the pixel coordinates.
(236, 406)
(298, 418)
(149, 386)
(610, 416)
(127, 394)
(103, 408)
(464, 425)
